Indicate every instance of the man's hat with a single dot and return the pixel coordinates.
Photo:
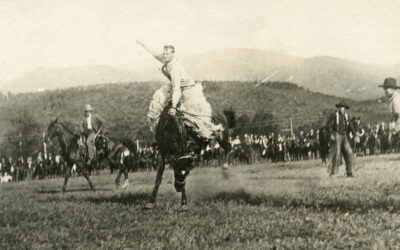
(389, 83)
(342, 103)
(88, 108)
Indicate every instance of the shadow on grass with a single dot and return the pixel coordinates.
(296, 165)
(309, 201)
(307, 178)
(70, 190)
(124, 198)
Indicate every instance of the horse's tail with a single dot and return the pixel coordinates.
(130, 144)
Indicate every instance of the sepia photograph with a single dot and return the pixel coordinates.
(201, 124)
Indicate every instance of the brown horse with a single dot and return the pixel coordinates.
(324, 141)
(179, 144)
(73, 151)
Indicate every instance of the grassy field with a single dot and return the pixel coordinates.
(269, 206)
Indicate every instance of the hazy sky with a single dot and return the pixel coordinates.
(52, 33)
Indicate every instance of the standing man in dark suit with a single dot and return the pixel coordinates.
(339, 128)
(91, 126)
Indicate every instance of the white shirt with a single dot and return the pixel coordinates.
(179, 78)
(236, 142)
(89, 121)
(57, 159)
(394, 126)
(395, 103)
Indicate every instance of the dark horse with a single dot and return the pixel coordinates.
(119, 154)
(73, 150)
(324, 140)
(179, 144)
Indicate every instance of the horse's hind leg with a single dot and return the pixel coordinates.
(67, 175)
(126, 181)
(117, 179)
(160, 172)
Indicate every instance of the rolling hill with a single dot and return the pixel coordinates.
(55, 78)
(328, 75)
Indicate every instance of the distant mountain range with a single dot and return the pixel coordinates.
(328, 75)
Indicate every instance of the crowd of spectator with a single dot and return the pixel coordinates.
(246, 149)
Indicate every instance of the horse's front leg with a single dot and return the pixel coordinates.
(160, 172)
(67, 175)
(184, 206)
(126, 181)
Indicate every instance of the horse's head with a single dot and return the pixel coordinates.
(53, 130)
(355, 123)
(182, 168)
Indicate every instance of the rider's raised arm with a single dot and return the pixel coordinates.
(155, 53)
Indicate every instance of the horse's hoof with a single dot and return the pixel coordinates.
(184, 208)
(126, 184)
(149, 206)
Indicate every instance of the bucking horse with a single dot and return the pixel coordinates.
(180, 145)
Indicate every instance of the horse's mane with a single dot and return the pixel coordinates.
(66, 125)
(125, 141)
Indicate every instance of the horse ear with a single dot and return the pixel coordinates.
(53, 121)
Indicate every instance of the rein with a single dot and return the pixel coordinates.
(67, 129)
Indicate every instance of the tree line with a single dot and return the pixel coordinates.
(254, 107)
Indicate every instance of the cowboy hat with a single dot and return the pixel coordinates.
(342, 103)
(88, 108)
(389, 83)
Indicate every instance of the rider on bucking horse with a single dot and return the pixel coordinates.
(184, 94)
